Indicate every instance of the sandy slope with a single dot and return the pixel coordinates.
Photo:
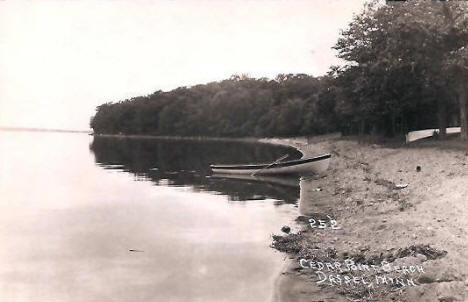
(379, 220)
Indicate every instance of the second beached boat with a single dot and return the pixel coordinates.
(420, 134)
(312, 165)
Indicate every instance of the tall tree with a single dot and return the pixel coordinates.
(401, 50)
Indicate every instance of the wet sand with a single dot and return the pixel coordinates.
(424, 224)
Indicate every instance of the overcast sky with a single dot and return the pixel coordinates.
(60, 59)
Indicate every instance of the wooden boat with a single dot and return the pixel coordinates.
(420, 134)
(312, 165)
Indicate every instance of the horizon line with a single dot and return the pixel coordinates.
(39, 129)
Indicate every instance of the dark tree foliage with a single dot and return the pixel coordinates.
(406, 67)
(240, 106)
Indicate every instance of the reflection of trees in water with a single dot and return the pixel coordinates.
(186, 163)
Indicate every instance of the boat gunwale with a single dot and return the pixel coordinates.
(275, 165)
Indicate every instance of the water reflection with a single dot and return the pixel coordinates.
(186, 163)
(67, 225)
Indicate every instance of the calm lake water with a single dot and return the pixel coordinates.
(73, 206)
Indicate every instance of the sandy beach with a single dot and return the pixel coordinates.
(398, 212)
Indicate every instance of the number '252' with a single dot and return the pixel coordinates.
(322, 224)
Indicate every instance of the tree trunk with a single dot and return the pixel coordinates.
(462, 94)
(393, 126)
(362, 127)
(442, 117)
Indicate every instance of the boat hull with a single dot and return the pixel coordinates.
(313, 165)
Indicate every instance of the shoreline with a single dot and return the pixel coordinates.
(189, 138)
(274, 141)
(422, 223)
(301, 144)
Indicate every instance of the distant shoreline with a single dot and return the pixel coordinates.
(43, 130)
(301, 144)
(175, 137)
(285, 142)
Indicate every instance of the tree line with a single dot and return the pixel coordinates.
(239, 106)
(406, 68)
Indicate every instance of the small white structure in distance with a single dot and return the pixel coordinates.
(415, 135)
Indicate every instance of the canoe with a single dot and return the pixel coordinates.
(420, 134)
(314, 165)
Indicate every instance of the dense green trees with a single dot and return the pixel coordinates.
(406, 69)
(239, 106)
(406, 62)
